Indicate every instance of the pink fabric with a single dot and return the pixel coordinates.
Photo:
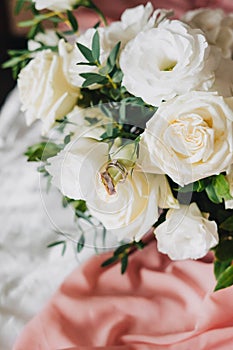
(157, 304)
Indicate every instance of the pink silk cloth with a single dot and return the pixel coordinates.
(157, 304)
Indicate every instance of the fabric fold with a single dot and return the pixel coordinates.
(156, 304)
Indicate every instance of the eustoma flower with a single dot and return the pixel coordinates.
(189, 137)
(166, 61)
(55, 5)
(127, 207)
(132, 22)
(217, 27)
(44, 90)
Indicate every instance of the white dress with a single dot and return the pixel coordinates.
(29, 271)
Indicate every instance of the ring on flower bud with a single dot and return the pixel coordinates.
(121, 169)
(114, 173)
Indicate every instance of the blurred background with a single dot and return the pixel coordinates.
(11, 37)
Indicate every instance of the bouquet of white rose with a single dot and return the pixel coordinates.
(137, 124)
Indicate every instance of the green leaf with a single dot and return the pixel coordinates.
(113, 55)
(80, 205)
(86, 52)
(225, 279)
(33, 31)
(220, 267)
(55, 244)
(80, 244)
(224, 250)
(72, 20)
(58, 243)
(31, 22)
(97, 25)
(42, 151)
(109, 261)
(117, 76)
(105, 70)
(93, 78)
(221, 187)
(115, 94)
(80, 214)
(67, 139)
(104, 233)
(211, 193)
(140, 245)
(122, 249)
(28, 23)
(197, 186)
(11, 62)
(63, 249)
(227, 224)
(96, 46)
(122, 112)
(55, 19)
(124, 263)
(91, 120)
(18, 6)
(136, 101)
(85, 64)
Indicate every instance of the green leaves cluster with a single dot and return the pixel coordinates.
(108, 74)
(20, 58)
(210, 194)
(68, 17)
(216, 188)
(223, 267)
(42, 151)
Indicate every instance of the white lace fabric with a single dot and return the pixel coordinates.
(29, 271)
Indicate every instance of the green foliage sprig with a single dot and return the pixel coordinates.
(20, 58)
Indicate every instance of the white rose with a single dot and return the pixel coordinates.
(189, 137)
(44, 90)
(186, 233)
(72, 55)
(217, 27)
(131, 210)
(166, 61)
(55, 5)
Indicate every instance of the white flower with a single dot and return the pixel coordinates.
(217, 27)
(55, 5)
(186, 233)
(189, 137)
(166, 61)
(48, 38)
(131, 210)
(133, 21)
(72, 55)
(44, 90)
(224, 78)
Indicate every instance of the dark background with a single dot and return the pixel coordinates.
(8, 40)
